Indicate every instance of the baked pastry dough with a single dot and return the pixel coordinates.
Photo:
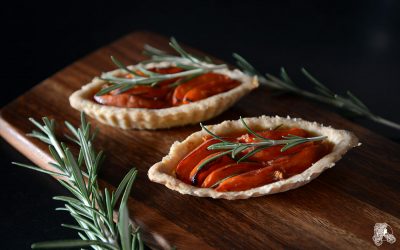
(142, 118)
(163, 172)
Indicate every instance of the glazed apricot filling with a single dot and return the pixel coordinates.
(207, 168)
(168, 93)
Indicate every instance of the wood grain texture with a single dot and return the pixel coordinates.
(337, 210)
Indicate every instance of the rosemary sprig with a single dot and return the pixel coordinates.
(323, 94)
(193, 66)
(91, 207)
(235, 148)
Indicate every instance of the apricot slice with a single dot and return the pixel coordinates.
(208, 89)
(212, 162)
(186, 165)
(230, 170)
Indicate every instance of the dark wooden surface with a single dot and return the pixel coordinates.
(337, 210)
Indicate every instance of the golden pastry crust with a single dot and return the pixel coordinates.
(163, 172)
(141, 118)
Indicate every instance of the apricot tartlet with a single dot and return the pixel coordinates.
(251, 157)
(163, 92)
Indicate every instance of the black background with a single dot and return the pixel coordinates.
(347, 45)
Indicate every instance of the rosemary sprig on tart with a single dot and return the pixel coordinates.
(140, 75)
(91, 207)
(349, 102)
(260, 143)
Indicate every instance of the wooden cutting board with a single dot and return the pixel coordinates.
(337, 210)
